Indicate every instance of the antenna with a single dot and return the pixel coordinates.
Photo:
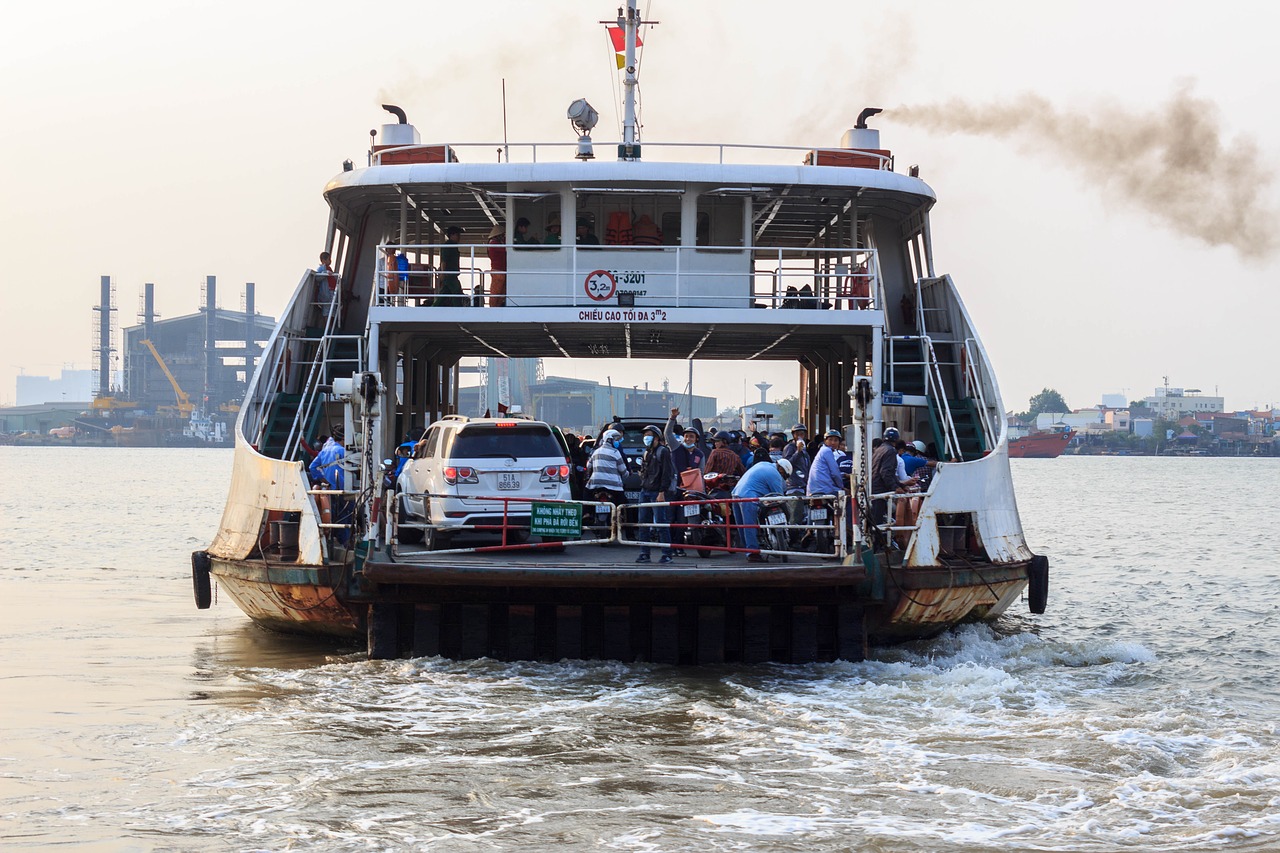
(506, 149)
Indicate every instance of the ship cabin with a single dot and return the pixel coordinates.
(816, 256)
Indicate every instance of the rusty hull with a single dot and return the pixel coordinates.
(293, 598)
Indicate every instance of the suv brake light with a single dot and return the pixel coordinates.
(453, 476)
(554, 474)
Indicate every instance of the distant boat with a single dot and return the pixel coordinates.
(1041, 445)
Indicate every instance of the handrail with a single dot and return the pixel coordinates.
(306, 405)
(933, 376)
(973, 384)
(530, 149)
(680, 274)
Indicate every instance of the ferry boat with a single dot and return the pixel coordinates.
(818, 256)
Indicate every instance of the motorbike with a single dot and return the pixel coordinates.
(774, 535)
(712, 513)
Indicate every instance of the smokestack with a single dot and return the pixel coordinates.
(104, 348)
(249, 333)
(148, 309)
(210, 333)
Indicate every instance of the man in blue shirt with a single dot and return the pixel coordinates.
(824, 475)
(759, 481)
(328, 463)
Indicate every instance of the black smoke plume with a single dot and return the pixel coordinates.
(1170, 162)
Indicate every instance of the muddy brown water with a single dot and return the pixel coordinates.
(1138, 713)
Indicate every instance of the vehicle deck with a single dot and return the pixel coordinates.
(605, 566)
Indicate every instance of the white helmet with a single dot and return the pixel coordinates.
(611, 435)
(785, 465)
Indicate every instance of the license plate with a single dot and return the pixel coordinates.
(633, 496)
(692, 511)
(776, 518)
(817, 515)
(508, 482)
(604, 509)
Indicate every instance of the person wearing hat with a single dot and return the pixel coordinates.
(885, 476)
(657, 478)
(824, 473)
(759, 481)
(722, 460)
(607, 470)
(498, 266)
(553, 232)
(799, 441)
(450, 291)
(685, 456)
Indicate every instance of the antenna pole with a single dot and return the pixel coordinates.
(630, 24)
(506, 149)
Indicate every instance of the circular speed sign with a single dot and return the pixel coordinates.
(600, 285)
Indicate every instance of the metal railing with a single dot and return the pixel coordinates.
(974, 386)
(511, 523)
(821, 517)
(528, 152)
(653, 276)
(934, 386)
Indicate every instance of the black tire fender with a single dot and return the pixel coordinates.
(1038, 584)
(200, 582)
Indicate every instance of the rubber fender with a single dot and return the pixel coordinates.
(200, 579)
(1037, 584)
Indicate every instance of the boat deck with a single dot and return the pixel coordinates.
(605, 566)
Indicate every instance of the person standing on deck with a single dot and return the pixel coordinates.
(498, 267)
(685, 456)
(450, 292)
(824, 474)
(760, 481)
(657, 478)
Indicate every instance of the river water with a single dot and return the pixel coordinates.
(1140, 712)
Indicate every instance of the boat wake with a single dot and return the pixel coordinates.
(977, 740)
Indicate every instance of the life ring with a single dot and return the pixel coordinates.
(200, 565)
(1037, 584)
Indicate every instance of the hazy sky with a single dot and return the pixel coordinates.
(1104, 170)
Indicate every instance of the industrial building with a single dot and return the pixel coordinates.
(209, 356)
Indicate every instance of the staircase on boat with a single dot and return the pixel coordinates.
(938, 368)
(296, 416)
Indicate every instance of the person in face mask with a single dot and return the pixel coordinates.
(687, 456)
(657, 478)
(606, 468)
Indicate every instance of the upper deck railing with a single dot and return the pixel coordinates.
(629, 276)
(685, 152)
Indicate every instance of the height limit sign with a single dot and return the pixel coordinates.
(600, 285)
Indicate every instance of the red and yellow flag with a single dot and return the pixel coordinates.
(619, 39)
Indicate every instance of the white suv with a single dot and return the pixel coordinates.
(460, 461)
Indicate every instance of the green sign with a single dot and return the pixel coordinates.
(560, 520)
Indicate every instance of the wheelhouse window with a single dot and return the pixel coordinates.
(720, 221)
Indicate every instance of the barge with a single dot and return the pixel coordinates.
(821, 257)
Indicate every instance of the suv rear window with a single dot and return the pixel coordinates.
(483, 441)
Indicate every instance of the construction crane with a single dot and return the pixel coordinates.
(185, 406)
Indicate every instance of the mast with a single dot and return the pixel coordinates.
(630, 25)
